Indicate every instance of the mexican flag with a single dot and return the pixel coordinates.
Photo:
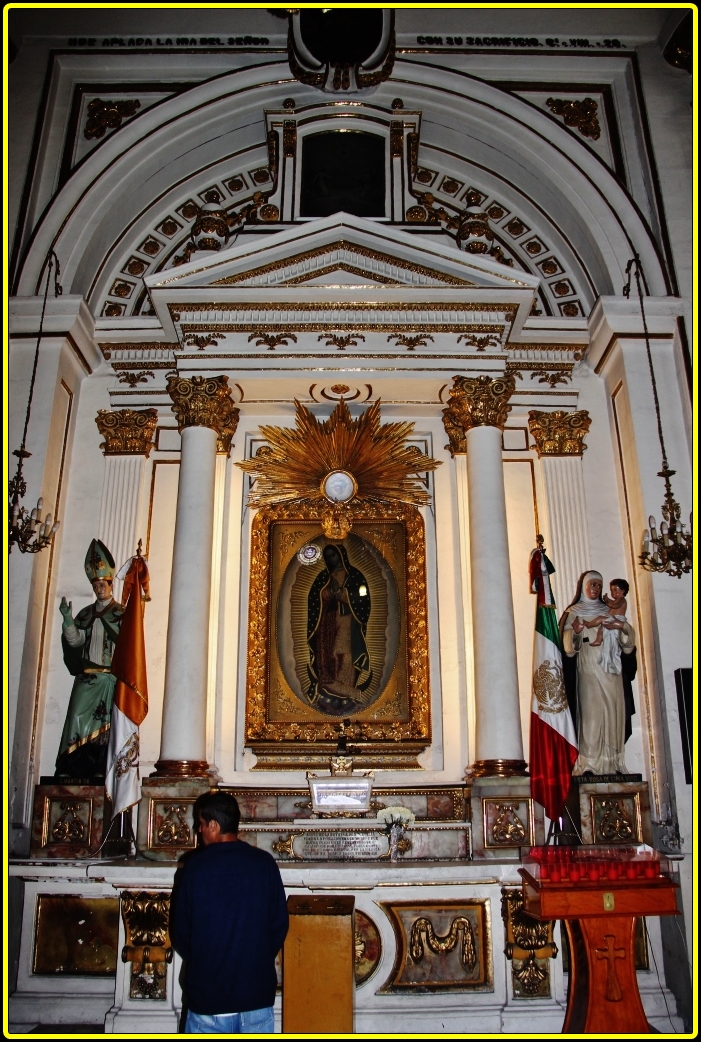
(131, 691)
(553, 740)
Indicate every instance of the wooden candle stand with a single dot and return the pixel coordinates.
(599, 915)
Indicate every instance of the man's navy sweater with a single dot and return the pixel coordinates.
(228, 921)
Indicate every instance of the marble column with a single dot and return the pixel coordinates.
(474, 420)
(128, 435)
(559, 438)
(206, 415)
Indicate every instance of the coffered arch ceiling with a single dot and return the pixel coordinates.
(522, 161)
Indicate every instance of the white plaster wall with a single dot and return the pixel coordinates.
(668, 101)
(160, 535)
(607, 525)
(521, 527)
(79, 525)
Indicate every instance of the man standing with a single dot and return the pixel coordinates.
(228, 922)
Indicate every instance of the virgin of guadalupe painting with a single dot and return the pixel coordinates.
(338, 624)
(334, 623)
(339, 607)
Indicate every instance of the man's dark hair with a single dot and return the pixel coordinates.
(622, 585)
(221, 807)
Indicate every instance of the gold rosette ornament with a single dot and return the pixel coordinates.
(338, 462)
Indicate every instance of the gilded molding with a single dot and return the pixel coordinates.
(146, 915)
(127, 432)
(205, 340)
(426, 932)
(341, 340)
(396, 137)
(559, 433)
(108, 115)
(195, 307)
(480, 343)
(529, 946)
(272, 340)
(579, 114)
(546, 372)
(316, 273)
(147, 947)
(259, 328)
(410, 342)
(204, 402)
(476, 402)
(349, 247)
(289, 138)
(578, 349)
(137, 377)
(144, 345)
(295, 462)
(296, 744)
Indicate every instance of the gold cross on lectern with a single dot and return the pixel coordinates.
(613, 988)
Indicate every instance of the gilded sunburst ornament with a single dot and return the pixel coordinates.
(338, 462)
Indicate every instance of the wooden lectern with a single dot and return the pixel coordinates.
(599, 900)
(318, 964)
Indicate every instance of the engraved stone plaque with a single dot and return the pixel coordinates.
(340, 846)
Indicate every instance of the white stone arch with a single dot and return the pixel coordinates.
(483, 135)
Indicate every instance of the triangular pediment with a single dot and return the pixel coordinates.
(342, 251)
(339, 274)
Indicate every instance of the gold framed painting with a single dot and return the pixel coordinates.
(337, 631)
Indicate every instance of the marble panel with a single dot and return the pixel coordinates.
(615, 813)
(257, 806)
(415, 802)
(507, 822)
(438, 844)
(68, 820)
(288, 806)
(166, 825)
(505, 819)
(440, 805)
(345, 841)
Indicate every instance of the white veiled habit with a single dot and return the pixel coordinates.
(601, 716)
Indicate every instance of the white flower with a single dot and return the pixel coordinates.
(396, 816)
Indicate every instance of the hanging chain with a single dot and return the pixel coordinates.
(635, 262)
(58, 290)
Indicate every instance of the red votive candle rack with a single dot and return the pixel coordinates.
(590, 864)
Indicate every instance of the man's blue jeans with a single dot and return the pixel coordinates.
(252, 1022)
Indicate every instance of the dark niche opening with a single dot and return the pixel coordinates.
(343, 170)
(341, 37)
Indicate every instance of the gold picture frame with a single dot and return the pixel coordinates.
(292, 719)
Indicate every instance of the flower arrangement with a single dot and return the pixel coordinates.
(401, 816)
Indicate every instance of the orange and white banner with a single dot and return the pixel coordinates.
(130, 694)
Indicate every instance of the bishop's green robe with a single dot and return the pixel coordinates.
(90, 706)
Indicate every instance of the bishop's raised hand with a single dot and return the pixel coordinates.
(66, 609)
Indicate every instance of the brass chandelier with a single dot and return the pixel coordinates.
(670, 549)
(27, 530)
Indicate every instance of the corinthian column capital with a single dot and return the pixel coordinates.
(201, 401)
(476, 402)
(559, 433)
(127, 432)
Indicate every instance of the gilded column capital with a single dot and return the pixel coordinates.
(480, 401)
(127, 432)
(201, 401)
(559, 433)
